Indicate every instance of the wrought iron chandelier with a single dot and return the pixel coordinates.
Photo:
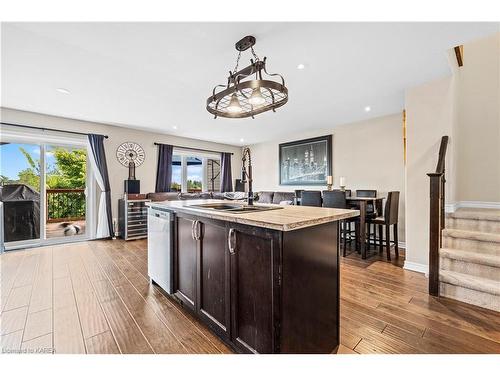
(246, 93)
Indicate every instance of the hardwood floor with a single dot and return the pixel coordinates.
(95, 297)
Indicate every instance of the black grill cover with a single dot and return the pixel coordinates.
(21, 212)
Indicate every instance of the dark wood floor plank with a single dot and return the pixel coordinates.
(469, 338)
(159, 336)
(388, 319)
(102, 302)
(419, 342)
(103, 343)
(187, 334)
(128, 336)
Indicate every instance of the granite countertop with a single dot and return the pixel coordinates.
(285, 219)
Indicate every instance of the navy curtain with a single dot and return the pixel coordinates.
(226, 181)
(164, 170)
(96, 144)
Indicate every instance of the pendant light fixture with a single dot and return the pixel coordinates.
(246, 93)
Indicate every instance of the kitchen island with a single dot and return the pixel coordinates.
(263, 281)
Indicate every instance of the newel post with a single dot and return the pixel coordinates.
(435, 221)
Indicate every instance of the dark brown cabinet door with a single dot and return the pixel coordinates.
(185, 261)
(254, 275)
(213, 275)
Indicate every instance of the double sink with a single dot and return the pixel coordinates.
(234, 207)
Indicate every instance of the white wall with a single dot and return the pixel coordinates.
(478, 127)
(146, 173)
(368, 153)
(430, 115)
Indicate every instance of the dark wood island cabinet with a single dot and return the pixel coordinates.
(261, 289)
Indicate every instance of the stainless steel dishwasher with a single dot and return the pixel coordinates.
(160, 248)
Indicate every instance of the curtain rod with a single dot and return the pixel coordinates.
(193, 148)
(52, 130)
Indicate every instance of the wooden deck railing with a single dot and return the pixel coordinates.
(436, 216)
(65, 205)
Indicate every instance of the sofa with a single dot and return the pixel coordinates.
(274, 197)
(176, 196)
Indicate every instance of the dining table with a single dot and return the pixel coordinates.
(362, 203)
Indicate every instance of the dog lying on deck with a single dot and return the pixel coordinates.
(70, 229)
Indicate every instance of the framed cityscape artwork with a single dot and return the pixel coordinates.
(306, 162)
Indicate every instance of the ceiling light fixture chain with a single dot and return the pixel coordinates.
(254, 54)
(247, 92)
(237, 63)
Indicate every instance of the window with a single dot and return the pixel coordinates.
(176, 184)
(213, 174)
(195, 172)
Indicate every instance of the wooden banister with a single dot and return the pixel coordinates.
(442, 154)
(436, 216)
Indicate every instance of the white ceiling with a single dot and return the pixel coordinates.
(158, 75)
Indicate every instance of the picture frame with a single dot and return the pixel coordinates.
(305, 162)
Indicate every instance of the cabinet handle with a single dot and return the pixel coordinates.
(232, 233)
(197, 230)
(192, 230)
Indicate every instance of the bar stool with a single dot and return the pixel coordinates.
(311, 198)
(337, 199)
(390, 217)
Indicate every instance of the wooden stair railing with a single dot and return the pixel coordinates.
(437, 217)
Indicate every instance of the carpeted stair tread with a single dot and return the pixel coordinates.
(472, 235)
(471, 257)
(475, 214)
(470, 282)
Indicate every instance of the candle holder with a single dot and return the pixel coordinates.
(342, 183)
(329, 182)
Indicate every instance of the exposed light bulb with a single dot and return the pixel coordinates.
(256, 98)
(234, 104)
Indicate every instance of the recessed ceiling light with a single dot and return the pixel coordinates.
(368, 108)
(62, 90)
(301, 66)
(174, 127)
(242, 140)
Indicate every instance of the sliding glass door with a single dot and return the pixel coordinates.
(65, 198)
(44, 192)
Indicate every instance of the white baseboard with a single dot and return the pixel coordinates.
(417, 267)
(452, 207)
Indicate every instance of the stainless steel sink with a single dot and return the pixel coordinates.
(234, 207)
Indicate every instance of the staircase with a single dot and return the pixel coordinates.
(469, 258)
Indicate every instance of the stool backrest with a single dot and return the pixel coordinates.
(311, 198)
(334, 199)
(392, 208)
(366, 193)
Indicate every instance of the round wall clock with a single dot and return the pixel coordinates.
(130, 151)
